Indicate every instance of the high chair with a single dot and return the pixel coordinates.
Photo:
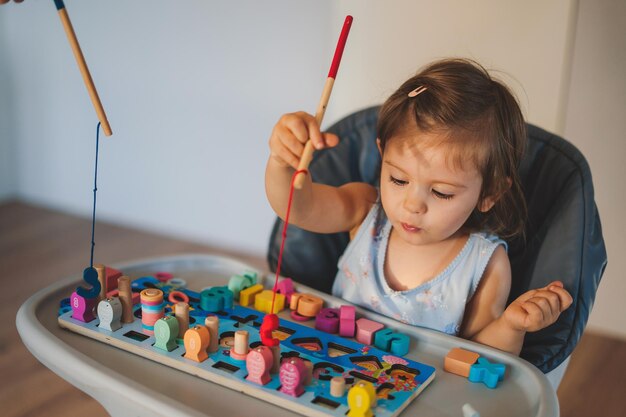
(563, 235)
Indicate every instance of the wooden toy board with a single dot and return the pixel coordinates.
(397, 380)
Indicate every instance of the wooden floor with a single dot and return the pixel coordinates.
(38, 246)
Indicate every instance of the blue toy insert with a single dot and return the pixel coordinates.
(397, 380)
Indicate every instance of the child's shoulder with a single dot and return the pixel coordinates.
(489, 239)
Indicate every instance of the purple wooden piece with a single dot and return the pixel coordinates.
(82, 308)
(327, 320)
(292, 375)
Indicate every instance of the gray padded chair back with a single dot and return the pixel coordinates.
(563, 232)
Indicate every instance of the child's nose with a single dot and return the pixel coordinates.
(415, 203)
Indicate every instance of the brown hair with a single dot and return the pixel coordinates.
(482, 122)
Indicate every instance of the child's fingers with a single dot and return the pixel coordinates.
(534, 313)
(298, 124)
(330, 139)
(565, 298)
(544, 304)
(289, 141)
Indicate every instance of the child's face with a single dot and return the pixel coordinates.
(426, 199)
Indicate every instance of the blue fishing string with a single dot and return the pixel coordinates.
(95, 189)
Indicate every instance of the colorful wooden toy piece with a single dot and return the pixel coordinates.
(390, 341)
(90, 276)
(347, 321)
(285, 287)
(102, 278)
(165, 333)
(365, 330)
(238, 283)
(163, 276)
(196, 341)
(240, 348)
(212, 323)
(459, 361)
(246, 296)
(110, 313)
(152, 309)
(178, 297)
(82, 308)
(259, 364)
(112, 275)
(308, 374)
(486, 372)
(181, 312)
(327, 320)
(126, 298)
(277, 357)
(337, 386)
(216, 299)
(361, 399)
(263, 302)
(135, 299)
(306, 306)
(292, 375)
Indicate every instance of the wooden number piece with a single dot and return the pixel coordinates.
(361, 399)
(82, 308)
(292, 376)
(327, 320)
(196, 342)
(216, 299)
(390, 341)
(110, 314)
(166, 332)
(259, 363)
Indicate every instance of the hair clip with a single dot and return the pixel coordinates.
(419, 90)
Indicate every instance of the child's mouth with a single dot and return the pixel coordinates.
(410, 229)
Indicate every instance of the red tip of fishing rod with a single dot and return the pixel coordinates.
(334, 67)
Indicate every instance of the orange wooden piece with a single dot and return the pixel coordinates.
(459, 361)
(196, 341)
(309, 305)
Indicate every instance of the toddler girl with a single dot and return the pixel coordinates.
(426, 246)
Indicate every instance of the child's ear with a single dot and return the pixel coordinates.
(487, 204)
(378, 145)
(490, 201)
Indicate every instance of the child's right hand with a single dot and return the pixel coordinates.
(291, 133)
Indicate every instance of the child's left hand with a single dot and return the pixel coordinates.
(537, 309)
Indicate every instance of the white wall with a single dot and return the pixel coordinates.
(525, 43)
(192, 90)
(596, 125)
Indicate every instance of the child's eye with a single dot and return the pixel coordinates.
(397, 181)
(442, 195)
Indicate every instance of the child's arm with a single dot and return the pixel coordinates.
(316, 207)
(487, 321)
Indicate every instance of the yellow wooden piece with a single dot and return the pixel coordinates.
(361, 399)
(263, 302)
(247, 296)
